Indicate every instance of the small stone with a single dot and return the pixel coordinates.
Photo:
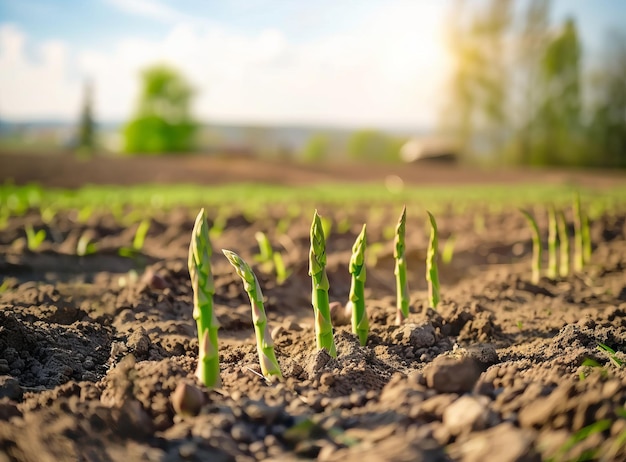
(450, 375)
(260, 412)
(10, 388)
(187, 450)
(139, 342)
(4, 366)
(466, 414)
(187, 399)
(339, 314)
(256, 447)
(240, 433)
(504, 443)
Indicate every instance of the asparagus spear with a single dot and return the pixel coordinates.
(564, 245)
(360, 323)
(536, 262)
(199, 263)
(402, 286)
(432, 272)
(552, 239)
(319, 297)
(264, 343)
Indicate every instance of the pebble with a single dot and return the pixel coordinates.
(187, 399)
(450, 375)
(466, 414)
(421, 336)
(502, 443)
(10, 388)
(260, 412)
(240, 433)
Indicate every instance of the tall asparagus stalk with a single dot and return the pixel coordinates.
(552, 240)
(360, 323)
(563, 245)
(199, 263)
(264, 342)
(536, 262)
(579, 254)
(432, 272)
(402, 286)
(319, 297)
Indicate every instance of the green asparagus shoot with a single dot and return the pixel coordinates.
(34, 238)
(264, 343)
(282, 273)
(552, 243)
(266, 252)
(536, 261)
(586, 233)
(563, 244)
(432, 272)
(360, 323)
(140, 234)
(402, 286)
(200, 250)
(579, 256)
(448, 249)
(319, 298)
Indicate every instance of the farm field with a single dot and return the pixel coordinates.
(96, 326)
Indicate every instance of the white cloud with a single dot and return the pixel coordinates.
(388, 71)
(151, 9)
(37, 87)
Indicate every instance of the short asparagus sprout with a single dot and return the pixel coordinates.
(264, 344)
(579, 255)
(266, 252)
(34, 238)
(536, 262)
(552, 243)
(208, 371)
(360, 323)
(563, 244)
(586, 231)
(402, 286)
(432, 272)
(319, 298)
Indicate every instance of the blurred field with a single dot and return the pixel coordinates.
(66, 171)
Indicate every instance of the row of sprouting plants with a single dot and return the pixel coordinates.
(558, 242)
(200, 251)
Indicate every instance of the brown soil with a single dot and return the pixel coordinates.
(90, 355)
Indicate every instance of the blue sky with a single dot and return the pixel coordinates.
(338, 62)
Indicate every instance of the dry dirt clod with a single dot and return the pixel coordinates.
(466, 414)
(451, 375)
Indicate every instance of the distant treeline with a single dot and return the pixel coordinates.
(520, 94)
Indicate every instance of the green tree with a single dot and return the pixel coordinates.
(560, 111)
(477, 113)
(316, 149)
(162, 122)
(607, 130)
(373, 145)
